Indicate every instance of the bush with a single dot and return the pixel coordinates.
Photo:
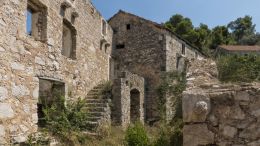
(66, 123)
(136, 135)
(234, 68)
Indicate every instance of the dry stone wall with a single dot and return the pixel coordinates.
(123, 100)
(24, 60)
(219, 114)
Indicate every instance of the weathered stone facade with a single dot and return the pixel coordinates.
(219, 114)
(125, 109)
(147, 49)
(26, 59)
(66, 46)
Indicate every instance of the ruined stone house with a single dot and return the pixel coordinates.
(67, 47)
(148, 49)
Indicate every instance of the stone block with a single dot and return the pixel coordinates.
(17, 66)
(2, 131)
(254, 143)
(195, 107)
(197, 134)
(228, 131)
(242, 96)
(20, 91)
(39, 61)
(19, 139)
(6, 111)
(3, 93)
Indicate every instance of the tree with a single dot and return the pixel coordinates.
(220, 36)
(181, 26)
(243, 31)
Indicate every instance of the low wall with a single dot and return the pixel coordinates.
(217, 114)
(222, 115)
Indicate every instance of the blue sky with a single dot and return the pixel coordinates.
(210, 12)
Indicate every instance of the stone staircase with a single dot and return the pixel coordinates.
(97, 106)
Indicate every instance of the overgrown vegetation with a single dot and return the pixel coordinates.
(65, 123)
(236, 68)
(172, 84)
(136, 135)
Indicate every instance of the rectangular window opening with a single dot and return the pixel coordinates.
(51, 94)
(128, 27)
(36, 21)
(68, 40)
(120, 46)
(104, 27)
(183, 50)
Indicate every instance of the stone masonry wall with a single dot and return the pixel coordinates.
(23, 60)
(219, 114)
(143, 54)
(149, 50)
(123, 85)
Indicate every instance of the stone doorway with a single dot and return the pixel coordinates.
(50, 93)
(134, 105)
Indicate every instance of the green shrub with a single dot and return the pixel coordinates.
(66, 123)
(136, 135)
(234, 68)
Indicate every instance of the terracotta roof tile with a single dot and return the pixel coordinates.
(240, 48)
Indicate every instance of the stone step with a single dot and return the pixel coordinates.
(98, 114)
(92, 126)
(96, 100)
(96, 105)
(94, 118)
(94, 109)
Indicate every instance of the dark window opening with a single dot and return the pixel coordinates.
(68, 40)
(36, 21)
(115, 30)
(101, 45)
(183, 50)
(128, 26)
(50, 94)
(107, 48)
(120, 46)
(62, 10)
(178, 62)
(163, 68)
(104, 27)
(134, 105)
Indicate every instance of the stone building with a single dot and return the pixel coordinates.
(148, 49)
(47, 45)
(239, 50)
(66, 47)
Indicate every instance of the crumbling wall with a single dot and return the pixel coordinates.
(121, 108)
(23, 60)
(219, 114)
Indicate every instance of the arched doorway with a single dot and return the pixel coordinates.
(134, 105)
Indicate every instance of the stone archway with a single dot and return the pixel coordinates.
(134, 105)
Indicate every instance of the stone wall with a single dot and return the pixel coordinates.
(148, 50)
(122, 98)
(219, 114)
(23, 60)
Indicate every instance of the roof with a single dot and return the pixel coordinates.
(160, 26)
(240, 48)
